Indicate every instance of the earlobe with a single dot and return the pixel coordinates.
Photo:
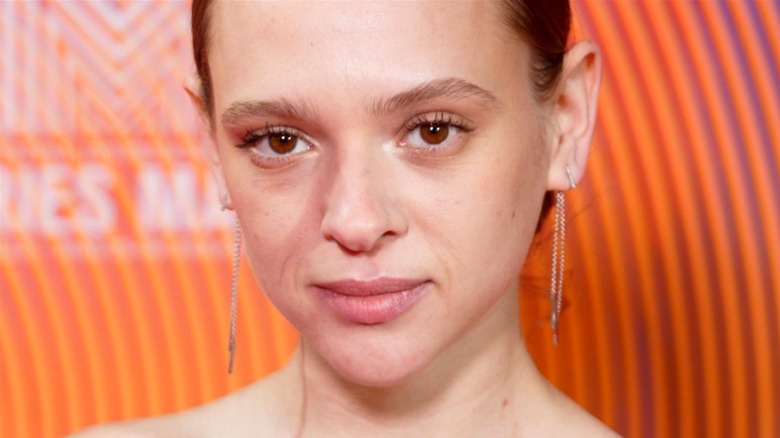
(192, 88)
(574, 114)
(225, 202)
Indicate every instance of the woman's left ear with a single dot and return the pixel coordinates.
(574, 114)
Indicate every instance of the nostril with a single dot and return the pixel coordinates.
(361, 224)
(356, 232)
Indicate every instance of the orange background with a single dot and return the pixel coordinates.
(115, 261)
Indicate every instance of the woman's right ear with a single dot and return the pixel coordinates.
(192, 86)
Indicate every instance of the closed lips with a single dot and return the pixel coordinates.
(371, 302)
(360, 288)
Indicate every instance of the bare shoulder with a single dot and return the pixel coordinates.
(174, 425)
(260, 409)
(130, 429)
(586, 426)
(573, 420)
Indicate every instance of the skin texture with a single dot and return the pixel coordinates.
(362, 196)
(358, 205)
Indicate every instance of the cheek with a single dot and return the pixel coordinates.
(480, 224)
(272, 221)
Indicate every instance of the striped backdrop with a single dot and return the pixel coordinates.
(115, 264)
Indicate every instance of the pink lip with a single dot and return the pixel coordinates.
(374, 301)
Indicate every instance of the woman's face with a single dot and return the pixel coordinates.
(389, 173)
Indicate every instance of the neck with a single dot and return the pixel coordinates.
(482, 383)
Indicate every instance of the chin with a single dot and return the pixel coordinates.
(377, 364)
(377, 373)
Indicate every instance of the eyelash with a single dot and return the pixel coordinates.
(251, 138)
(438, 118)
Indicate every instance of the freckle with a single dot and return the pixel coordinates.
(504, 403)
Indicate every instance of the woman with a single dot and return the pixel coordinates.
(387, 162)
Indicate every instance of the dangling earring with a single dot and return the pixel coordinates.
(234, 295)
(558, 257)
(233, 285)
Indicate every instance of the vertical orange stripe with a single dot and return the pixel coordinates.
(744, 385)
(765, 350)
(18, 386)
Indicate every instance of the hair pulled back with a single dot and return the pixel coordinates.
(542, 24)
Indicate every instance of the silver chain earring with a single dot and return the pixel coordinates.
(233, 285)
(234, 295)
(558, 257)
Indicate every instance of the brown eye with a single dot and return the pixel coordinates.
(282, 142)
(433, 133)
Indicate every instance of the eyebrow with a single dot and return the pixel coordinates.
(448, 88)
(279, 108)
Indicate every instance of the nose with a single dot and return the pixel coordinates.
(361, 209)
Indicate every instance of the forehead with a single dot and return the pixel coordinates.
(291, 47)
